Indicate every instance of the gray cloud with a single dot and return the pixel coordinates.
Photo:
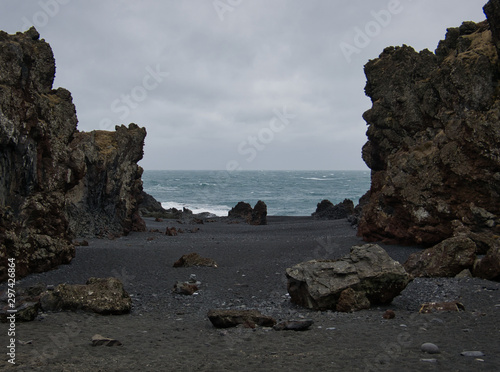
(229, 69)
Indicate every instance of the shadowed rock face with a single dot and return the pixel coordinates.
(434, 134)
(56, 182)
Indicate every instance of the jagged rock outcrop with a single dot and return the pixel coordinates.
(55, 181)
(107, 196)
(253, 216)
(434, 134)
(326, 210)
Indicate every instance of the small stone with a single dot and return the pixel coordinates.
(429, 360)
(98, 340)
(473, 354)
(389, 314)
(429, 348)
(294, 325)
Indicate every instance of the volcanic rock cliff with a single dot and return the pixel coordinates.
(434, 139)
(56, 182)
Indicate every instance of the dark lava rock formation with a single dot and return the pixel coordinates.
(326, 210)
(253, 216)
(56, 182)
(434, 139)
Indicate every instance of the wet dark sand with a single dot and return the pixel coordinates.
(169, 332)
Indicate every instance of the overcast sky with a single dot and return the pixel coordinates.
(246, 84)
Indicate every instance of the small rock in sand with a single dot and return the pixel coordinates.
(294, 325)
(389, 314)
(429, 348)
(473, 354)
(98, 340)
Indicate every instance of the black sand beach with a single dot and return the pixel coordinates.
(171, 332)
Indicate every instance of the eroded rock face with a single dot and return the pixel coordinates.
(56, 182)
(434, 130)
(446, 259)
(367, 276)
(106, 199)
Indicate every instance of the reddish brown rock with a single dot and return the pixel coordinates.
(389, 314)
(488, 267)
(446, 259)
(171, 231)
(185, 288)
(431, 307)
(351, 300)
(194, 259)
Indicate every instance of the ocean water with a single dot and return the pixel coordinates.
(286, 193)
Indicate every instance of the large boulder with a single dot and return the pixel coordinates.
(99, 295)
(368, 271)
(446, 259)
(433, 137)
(56, 182)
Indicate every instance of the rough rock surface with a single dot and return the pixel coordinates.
(328, 211)
(253, 216)
(368, 271)
(55, 181)
(488, 267)
(233, 318)
(446, 259)
(434, 130)
(106, 198)
(194, 259)
(98, 295)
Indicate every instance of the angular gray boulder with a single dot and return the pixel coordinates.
(368, 270)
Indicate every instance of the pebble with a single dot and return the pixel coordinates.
(429, 360)
(473, 354)
(429, 348)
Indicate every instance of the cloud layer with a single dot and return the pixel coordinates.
(209, 79)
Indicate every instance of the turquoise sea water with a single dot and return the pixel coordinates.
(286, 193)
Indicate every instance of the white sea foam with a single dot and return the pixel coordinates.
(317, 179)
(218, 210)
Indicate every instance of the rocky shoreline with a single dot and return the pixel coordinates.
(171, 331)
